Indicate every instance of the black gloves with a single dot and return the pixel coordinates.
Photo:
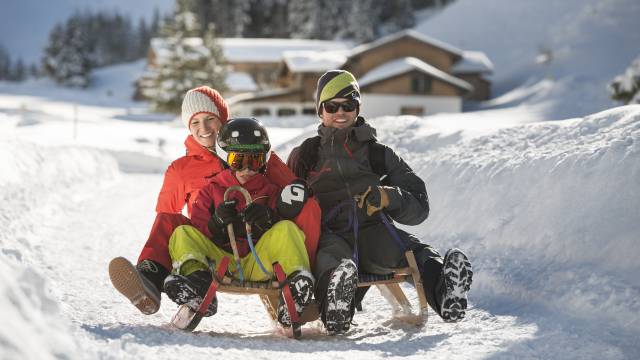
(292, 199)
(226, 212)
(260, 216)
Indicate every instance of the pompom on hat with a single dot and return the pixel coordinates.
(203, 99)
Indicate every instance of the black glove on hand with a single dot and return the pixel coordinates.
(226, 212)
(260, 216)
(292, 199)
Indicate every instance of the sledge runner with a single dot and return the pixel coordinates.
(343, 165)
(277, 239)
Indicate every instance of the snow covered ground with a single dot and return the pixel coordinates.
(541, 187)
(547, 210)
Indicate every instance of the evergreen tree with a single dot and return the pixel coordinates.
(187, 61)
(268, 18)
(34, 71)
(330, 20)
(19, 71)
(67, 58)
(302, 19)
(143, 38)
(626, 87)
(230, 17)
(5, 63)
(400, 14)
(362, 24)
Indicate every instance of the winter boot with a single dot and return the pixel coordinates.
(138, 284)
(457, 276)
(191, 290)
(339, 301)
(301, 285)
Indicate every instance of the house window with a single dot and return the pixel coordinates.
(261, 112)
(286, 112)
(420, 84)
(412, 110)
(308, 111)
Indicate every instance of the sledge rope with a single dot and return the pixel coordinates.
(247, 199)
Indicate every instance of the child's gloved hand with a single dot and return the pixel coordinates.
(292, 199)
(226, 212)
(376, 199)
(259, 215)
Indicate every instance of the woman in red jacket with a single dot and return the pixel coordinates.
(204, 111)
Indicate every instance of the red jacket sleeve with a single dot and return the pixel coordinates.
(172, 197)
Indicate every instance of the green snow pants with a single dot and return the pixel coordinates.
(283, 243)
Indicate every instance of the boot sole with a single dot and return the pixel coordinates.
(302, 300)
(338, 320)
(127, 281)
(181, 293)
(458, 276)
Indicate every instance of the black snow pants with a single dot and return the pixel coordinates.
(378, 253)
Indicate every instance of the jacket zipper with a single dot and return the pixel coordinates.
(340, 167)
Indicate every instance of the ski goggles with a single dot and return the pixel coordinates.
(332, 107)
(243, 160)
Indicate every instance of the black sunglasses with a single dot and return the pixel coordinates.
(332, 107)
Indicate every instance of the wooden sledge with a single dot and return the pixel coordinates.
(389, 287)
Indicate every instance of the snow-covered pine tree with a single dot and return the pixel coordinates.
(361, 26)
(268, 18)
(626, 87)
(229, 16)
(302, 18)
(187, 61)
(402, 16)
(331, 18)
(67, 58)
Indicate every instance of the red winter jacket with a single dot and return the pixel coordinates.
(186, 176)
(262, 191)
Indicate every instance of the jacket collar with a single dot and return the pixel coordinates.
(195, 149)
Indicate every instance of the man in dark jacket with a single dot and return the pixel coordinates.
(359, 236)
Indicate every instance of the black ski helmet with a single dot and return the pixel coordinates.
(244, 135)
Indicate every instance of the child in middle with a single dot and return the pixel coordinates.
(246, 142)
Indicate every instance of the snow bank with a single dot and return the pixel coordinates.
(548, 211)
(34, 181)
(579, 44)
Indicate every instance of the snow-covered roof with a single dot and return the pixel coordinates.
(314, 61)
(400, 34)
(272, 50)
(406, 64)
(473, 62)
(240, 82)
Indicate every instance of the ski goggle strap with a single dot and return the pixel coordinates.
(242, 160)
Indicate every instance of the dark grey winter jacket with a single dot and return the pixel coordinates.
(343, 170)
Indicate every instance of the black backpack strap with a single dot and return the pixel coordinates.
(377, 159)
(308, 157)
